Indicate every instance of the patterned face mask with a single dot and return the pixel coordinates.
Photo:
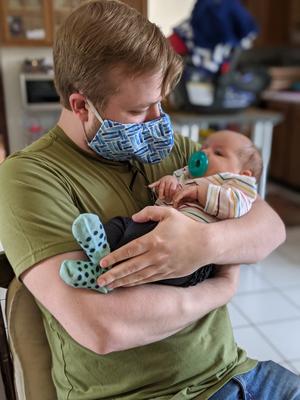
(148, 142)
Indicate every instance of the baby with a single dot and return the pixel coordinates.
(226, 190)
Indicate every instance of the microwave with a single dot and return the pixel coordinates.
(38, 91)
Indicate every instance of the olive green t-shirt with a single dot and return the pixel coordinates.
(43, 189)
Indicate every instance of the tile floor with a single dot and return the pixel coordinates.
(265, 312)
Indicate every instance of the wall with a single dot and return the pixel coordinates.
(166, 14)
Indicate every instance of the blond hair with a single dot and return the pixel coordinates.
(101, 36)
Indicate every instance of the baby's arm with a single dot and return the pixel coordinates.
(193, 192)
(231, 196)
(223, 195)
(166, 187)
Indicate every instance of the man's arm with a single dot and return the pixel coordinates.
(160, 253)
(127, 317)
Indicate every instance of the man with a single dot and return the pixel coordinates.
(145, 341)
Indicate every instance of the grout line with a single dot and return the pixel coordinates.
(269, 343)
(256, 291)
(255, 326)
(273, 321)
(272, 345)
(289, 300)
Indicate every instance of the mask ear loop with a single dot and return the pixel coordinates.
(97, 115)
(92, 107)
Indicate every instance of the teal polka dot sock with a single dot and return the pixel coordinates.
(88, 231)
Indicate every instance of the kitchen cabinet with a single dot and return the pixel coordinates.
(285, 160)
(25, 22)
(278, 21)
(34, 22)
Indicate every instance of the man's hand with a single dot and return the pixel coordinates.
(179, 245)
(166, 252)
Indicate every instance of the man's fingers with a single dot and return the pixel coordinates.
(129, 250)
(130, 267)
(145, 275)
(150, 279)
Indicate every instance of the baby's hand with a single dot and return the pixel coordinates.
(166, 187)
(188, 193)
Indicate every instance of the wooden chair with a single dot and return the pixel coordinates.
(25, 358)
(6, 366)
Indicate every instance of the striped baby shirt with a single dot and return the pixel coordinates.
(228, 196)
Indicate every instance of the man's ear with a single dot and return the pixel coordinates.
(78, 106)
(247, 172)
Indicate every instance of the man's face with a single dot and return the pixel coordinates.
(222, 150)
(136, 99)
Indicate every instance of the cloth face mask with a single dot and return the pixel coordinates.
(148, 142)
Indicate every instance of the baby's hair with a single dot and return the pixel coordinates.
(251, 159)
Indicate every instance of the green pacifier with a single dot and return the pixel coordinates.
(198, 164)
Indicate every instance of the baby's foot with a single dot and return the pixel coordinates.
(88, 230)
(82, 274)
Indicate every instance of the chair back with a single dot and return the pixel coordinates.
(26, 364)
(6, 366)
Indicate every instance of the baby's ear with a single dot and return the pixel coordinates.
(247, 172)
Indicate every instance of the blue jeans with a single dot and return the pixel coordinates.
(267, 381)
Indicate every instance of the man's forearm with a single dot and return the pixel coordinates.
(145, 314)
(250, 238)
(127, 317)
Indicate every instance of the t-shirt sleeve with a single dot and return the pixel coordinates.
(36, 212)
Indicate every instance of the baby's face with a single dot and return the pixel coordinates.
(222, 149)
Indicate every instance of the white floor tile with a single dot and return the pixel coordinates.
(237, 319)
(284, 336)
(279, 271)
(251, 280)
(256, 346)
(265, 307)
(293, 293)
(2, 293)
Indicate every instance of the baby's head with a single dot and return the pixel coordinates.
(233, 152)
